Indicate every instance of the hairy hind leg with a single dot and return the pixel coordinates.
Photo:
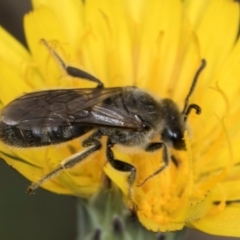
(72, 71)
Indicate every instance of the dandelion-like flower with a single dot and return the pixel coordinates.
(157, 46)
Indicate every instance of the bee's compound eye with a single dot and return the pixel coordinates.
(175, 137)
(146, 127)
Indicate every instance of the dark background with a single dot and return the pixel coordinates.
(44, 215)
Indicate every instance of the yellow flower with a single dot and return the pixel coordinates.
(157, 46)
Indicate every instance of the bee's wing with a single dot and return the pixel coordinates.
(65, 107)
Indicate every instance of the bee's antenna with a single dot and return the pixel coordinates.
(187, 108)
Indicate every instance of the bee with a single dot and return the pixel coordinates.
(127, 116)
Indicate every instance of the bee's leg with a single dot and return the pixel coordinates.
(175, 161)
(92, 144)
(165, 156)
(71, 71)
(154, 146)
(120, 165)
(76, 72)
(157, 145)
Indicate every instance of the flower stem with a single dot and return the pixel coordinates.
(105, 217)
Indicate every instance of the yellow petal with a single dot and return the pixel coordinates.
(225, 223)
(19, 61)
(217, 34)
(40, 24)
(11, 82)
(156, 62)
(106, 47)
(135, 8)
(11, 50)
(228, 191)
(69, 17)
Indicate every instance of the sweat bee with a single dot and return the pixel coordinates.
(127, 116)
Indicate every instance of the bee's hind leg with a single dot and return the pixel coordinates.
(71, 71)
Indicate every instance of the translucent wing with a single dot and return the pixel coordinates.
(66, 107)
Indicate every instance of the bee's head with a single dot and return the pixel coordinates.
(175, 121)
(173, 132)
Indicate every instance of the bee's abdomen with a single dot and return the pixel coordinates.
(37, 137)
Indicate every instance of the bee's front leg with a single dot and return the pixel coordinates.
(165, 158)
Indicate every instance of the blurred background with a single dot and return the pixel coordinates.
(44, 215)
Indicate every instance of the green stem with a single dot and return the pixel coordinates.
(105, 217)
